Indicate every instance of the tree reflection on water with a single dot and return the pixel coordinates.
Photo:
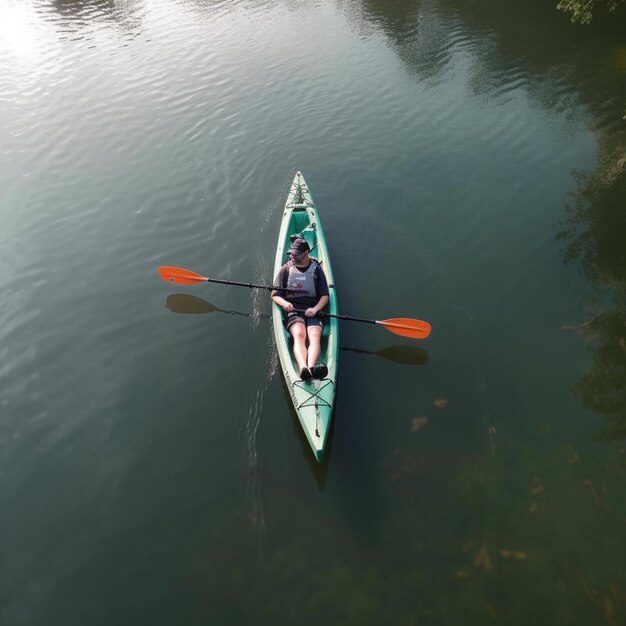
(596, 237)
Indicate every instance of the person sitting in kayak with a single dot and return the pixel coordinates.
(302, 306)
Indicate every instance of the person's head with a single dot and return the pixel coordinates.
(299, 249)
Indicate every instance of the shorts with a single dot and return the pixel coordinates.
(294, 317)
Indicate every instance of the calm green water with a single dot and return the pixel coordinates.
(467, 160)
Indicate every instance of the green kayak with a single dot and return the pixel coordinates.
(313, 400)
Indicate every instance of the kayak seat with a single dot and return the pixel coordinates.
(310, 234)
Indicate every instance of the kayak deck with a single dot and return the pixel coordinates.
(313, 401)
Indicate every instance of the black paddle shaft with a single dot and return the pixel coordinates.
(249, 285)
(339, 317)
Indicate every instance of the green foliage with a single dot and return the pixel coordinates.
(583, 10)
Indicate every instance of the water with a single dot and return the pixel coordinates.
(151, 469)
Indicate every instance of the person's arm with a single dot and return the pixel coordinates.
(281, 302)
(276, 297)
(314, 310)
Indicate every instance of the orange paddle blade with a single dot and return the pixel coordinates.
(406, 327)
(180, 276)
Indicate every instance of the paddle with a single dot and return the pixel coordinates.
(403, 326)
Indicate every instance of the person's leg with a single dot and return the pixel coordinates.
(315, 336)
(298, 332)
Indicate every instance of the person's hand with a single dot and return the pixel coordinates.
(288, 307)
(312, 312)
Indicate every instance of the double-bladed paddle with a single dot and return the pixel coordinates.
(403, 326)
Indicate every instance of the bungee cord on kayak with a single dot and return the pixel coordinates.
(314, 399)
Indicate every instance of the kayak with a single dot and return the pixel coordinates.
(314, 400)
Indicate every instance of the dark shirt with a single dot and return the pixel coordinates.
(319, 278)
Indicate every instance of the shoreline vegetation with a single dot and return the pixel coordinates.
(583, 11)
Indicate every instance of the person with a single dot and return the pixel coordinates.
(302, 305)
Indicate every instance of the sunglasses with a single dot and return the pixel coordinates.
(296, 255)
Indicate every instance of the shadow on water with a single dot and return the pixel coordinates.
(191, 305)
(404, 355)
